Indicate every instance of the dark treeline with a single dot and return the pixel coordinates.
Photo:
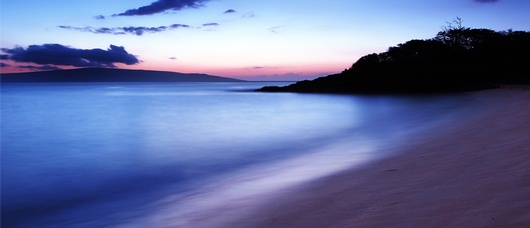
(457, 59)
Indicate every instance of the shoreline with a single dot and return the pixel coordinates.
(476, 174)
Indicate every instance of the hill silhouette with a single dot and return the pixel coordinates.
(457, 59)
(109, 75)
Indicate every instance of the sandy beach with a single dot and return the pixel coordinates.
(473, 174)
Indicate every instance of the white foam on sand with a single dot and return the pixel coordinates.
(239, 192)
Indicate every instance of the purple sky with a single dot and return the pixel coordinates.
(254, 40)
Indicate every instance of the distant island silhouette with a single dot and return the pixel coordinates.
(457, 59)
(109, 75)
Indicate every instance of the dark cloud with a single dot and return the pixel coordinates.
(125, 30)
(4, 57)
(4, 65)
(162, 6)
(230, 11)
(176, 26)
(99, 17)
(486, 1)
(57, 54)
(141, 30)
(173, 58)
(210, 24)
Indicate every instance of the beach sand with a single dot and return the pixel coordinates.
(473, 174)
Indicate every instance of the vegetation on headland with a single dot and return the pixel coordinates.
(456, 59)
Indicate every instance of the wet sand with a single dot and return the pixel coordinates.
(475, 173)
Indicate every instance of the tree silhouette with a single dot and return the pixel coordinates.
(452, 34)
(456, 59)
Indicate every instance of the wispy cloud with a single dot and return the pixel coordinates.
(230, 11)
(57, 54)
(99, 17)
(125, 30)
(249, 15)
(259, 67)
(211, 24)
(275, 29)
(162, 6)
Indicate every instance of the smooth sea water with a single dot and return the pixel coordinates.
(123, 154)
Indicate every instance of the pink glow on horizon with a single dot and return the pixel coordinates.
(265, 68)
(300, 72)
(257, 73)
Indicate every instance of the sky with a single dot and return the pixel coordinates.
(251, 40)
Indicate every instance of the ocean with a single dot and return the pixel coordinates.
(145, 154)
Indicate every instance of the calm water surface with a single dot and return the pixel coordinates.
(112, 154)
